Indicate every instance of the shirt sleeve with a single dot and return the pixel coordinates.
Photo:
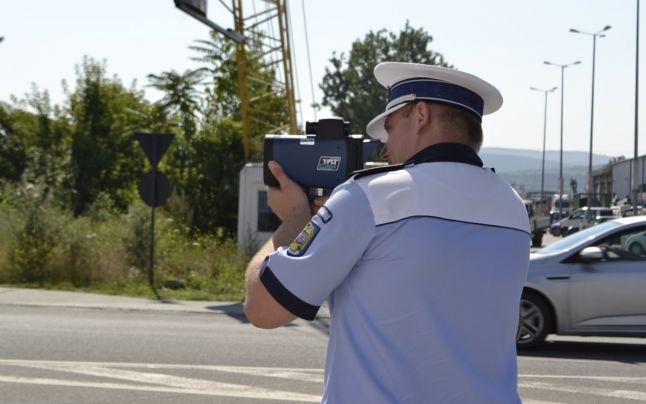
(302, 275)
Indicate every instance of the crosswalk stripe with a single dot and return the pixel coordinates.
(163, 382)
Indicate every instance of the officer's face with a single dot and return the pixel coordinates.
(398, 125)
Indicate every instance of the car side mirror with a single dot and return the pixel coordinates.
(590, 254)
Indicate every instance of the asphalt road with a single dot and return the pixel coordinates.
(62, 347)
(77, 355)
(576, 370)
(74, 354)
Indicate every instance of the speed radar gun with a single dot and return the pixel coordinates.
(321, 159)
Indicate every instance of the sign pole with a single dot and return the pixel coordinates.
(153, 196)
(154, 189)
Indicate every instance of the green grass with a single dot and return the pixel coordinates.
(41, 246)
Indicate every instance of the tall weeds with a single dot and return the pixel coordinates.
(41, 245)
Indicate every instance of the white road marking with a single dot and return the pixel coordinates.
(626, 379)
(143, 373)
(303, 374)
(166, 383)
(250, 393)
(623, 394)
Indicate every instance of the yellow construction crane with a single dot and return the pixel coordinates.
(270, 25)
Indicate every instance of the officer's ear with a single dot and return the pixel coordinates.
(423, 114)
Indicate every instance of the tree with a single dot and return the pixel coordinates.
(34, 144)
(210, 185)
(218, 58)
(181, 101)
(213, 195)
(181, 97)
(13, 155)
(268, 106)
(48, 156)
(104, 156)
(349, 88)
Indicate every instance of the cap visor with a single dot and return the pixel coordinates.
(376, 129)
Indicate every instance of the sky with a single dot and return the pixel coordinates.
(502, 41)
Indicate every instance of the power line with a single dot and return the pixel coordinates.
(297, 86)
(309, 61)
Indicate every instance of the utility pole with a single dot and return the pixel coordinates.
(594, 36)
(543, 200)
(562, 67)
(636, 152)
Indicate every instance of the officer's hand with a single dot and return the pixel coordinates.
(289, 200)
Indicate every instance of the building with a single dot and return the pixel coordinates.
(629, 180)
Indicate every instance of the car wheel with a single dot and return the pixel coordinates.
(536, 321)
(636, 249)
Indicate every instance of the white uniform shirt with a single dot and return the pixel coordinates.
(423, 267)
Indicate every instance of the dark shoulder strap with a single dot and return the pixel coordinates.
(377, 170)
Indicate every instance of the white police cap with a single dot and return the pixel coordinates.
(408, 82)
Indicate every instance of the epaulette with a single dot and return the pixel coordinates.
(376, 170)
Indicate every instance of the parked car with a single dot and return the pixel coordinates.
(636, 244)
(631, 211)
(580, 218)
(594, 221)
(592, 282)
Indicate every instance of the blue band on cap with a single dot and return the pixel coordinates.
(436, 90)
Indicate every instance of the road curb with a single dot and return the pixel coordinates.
(10, 296)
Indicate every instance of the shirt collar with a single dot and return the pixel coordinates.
(448, 152)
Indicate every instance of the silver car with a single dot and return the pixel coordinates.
(636, 243)
(589, 283)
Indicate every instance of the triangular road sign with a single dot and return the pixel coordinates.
(154, 145)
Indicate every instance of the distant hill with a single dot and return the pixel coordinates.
(522, 168)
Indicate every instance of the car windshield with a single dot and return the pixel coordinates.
(574, 239)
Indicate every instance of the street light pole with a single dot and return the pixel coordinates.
(636, 152)
(544, 137)
(561, 152)
(594, 48)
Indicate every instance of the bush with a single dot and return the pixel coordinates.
(33, 236)
(210, 264)
(41, 245)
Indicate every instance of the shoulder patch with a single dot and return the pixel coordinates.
(301, 243)
(325, 214)
(377, 170)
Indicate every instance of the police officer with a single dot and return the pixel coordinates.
(422, 261)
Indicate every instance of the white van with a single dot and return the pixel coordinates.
(256, 221)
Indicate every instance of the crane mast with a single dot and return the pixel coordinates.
(270, 27)
(268, 31)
